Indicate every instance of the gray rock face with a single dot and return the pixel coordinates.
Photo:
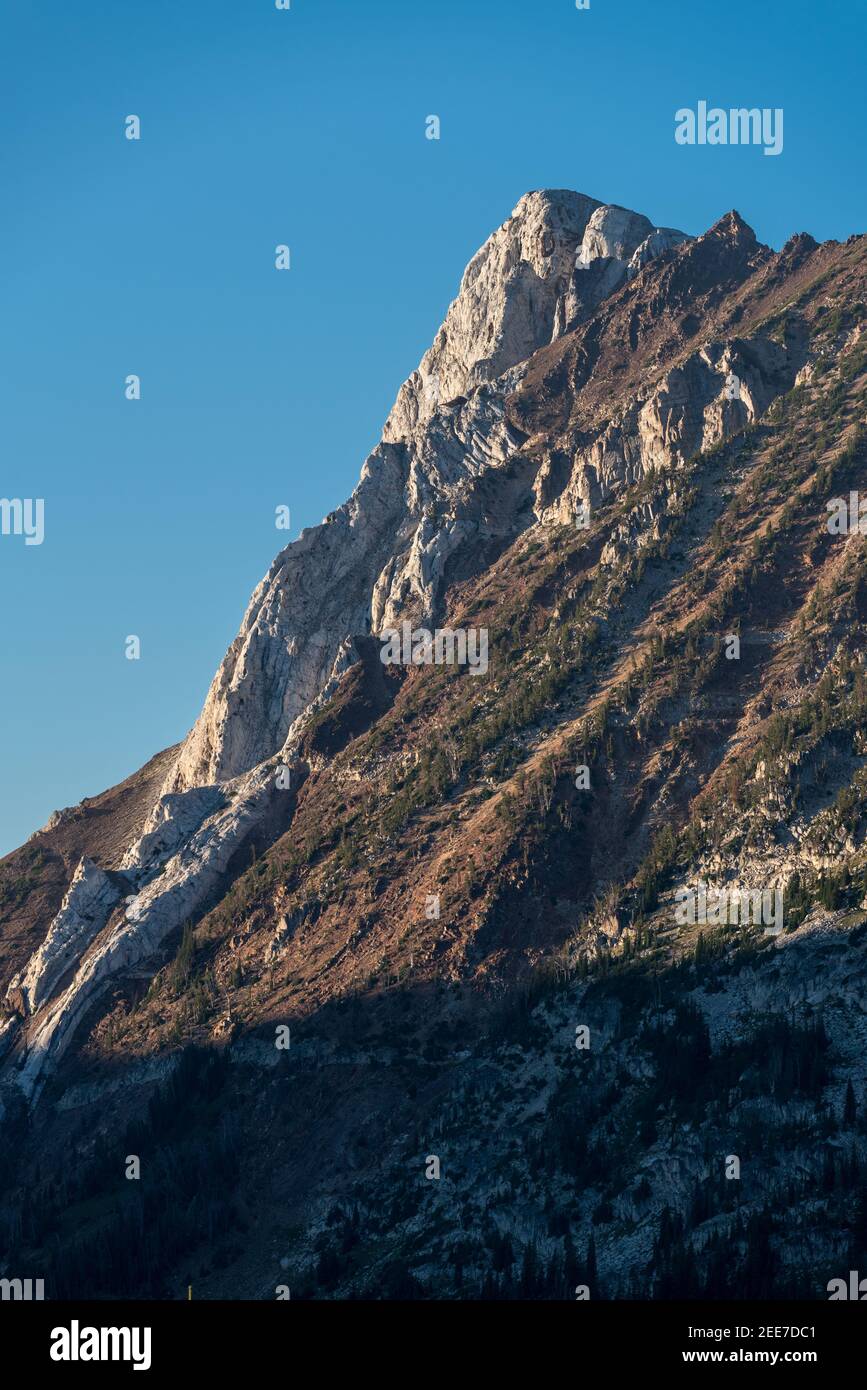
(83, 912)
(171, 823)
(505, 309)
(170, 896)
(616, 244)
(692, 408)
(612, 233)
(656, 244)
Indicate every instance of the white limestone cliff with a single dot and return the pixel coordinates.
(83, 913)
(505, 309)
(616, 244)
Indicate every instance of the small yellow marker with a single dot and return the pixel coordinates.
(189, 1292)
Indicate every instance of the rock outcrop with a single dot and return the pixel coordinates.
(506, 308)
(85, 909)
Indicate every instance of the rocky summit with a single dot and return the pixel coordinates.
(500, 927)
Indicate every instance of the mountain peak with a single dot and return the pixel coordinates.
(505, 308)
(732, 227)
(526, 285)
(450, 486)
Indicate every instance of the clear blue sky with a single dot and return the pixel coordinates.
(260, 388)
